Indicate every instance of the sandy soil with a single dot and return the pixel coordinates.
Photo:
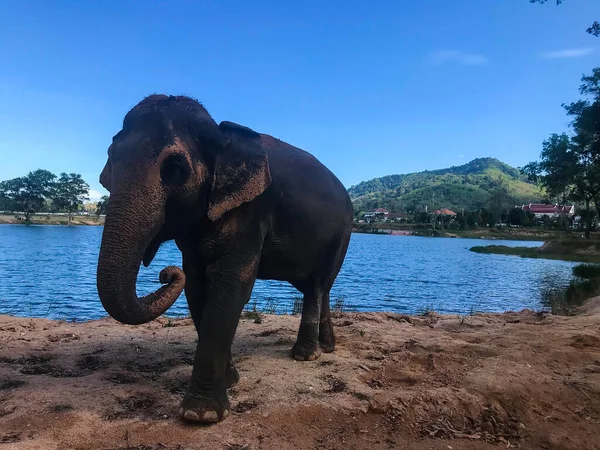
(486, 381)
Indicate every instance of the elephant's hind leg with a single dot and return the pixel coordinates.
(326, 336)
(316, 328)
(307, 346)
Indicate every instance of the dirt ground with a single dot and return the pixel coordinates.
(487, 381)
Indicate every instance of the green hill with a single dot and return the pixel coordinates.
(470, 186)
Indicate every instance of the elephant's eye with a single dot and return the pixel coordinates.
(174, 170)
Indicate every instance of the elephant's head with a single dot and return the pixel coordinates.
(168, 167)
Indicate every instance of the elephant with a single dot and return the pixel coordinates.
(240, 206)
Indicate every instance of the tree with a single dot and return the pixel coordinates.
(585, 144)
(101, 206)
(557, 169)
(594, 29)
(69, 193)
(519, 217)
(7, 200)
(27, 194)
(500, 201)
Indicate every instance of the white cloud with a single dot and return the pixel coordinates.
(568, 53)
(94, 195)
(461, 156)
(455, 56)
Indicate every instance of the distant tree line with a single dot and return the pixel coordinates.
(42, 191)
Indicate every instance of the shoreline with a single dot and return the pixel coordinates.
(53, 220)
(482, 234)
(416, 382)
(584, 251)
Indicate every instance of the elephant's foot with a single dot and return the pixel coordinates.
(326, 337)
(200, 408)
(232, 376)
(305, 351)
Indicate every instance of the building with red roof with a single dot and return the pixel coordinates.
(541, 210)
(444, 212)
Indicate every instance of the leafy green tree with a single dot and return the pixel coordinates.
(102, 205)
(501, 201)
(585, 143)
(557, 170)
(594, 29)
(7, 202)
(520, 217)
(69, 193)
(28, 193)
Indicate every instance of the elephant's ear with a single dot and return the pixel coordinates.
(106, 177)
(241, 174)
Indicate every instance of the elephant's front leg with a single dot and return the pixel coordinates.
(195, 293)
(227, 290)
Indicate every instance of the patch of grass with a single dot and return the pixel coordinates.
(585, 284)
(555, 301)
(362, 333)
(587, 271)
(270, 306)
(253, 313)
(533, 252)
(338, 305)
(427, 310)
(297, 305)
(464, 317)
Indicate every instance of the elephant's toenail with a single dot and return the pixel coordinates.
(190, 414)
(210, 416)
(225, 413)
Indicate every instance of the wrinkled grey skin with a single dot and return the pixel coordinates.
(240, 206)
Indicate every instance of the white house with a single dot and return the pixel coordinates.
(540, 210)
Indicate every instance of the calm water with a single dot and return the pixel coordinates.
(50, 271)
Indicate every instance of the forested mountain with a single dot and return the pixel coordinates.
(471, 186)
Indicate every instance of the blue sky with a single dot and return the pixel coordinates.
(370, 88)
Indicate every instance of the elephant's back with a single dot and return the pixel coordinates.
(307, 195)
(299, 174)
(311, 213)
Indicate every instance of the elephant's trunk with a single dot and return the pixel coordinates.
(133, 220)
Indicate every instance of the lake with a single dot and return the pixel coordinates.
(50, 271)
